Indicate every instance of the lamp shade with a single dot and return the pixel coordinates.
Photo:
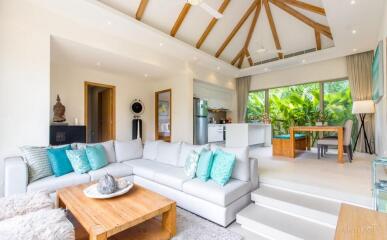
(365, 106)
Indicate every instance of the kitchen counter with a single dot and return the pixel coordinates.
(248, 134)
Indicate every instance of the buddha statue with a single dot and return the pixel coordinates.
(59, 111)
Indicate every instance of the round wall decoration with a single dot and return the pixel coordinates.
(137, 107)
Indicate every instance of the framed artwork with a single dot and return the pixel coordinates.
(378, 74)
(163, 108)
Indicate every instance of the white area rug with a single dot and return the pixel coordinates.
(192, 227)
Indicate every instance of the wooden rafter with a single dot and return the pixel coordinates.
(237, 57)
(305, 6)
(236, 28)
(248, 56)
(242, 57)
(180, 19)
(318, 40)
(211, 25)
(273, 28)
(141, 9)
(318, 27)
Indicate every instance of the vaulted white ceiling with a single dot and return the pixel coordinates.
(294, 35)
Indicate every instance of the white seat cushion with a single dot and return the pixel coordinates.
(128, 150)
(170, 176)
(213, 192)
(186, 150)
(52, 183)
(114, 169)
(144, 168)
(108, 146)
(327, 141)
(242, 165)
(168, 153)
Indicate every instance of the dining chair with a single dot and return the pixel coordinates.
(324, 143)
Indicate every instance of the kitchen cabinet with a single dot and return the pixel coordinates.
(217, 97)
(215, 133)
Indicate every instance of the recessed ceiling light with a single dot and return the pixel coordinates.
(354, 50)
(146, 75)
(354, 31)
(161, 44)
(195, 58)
(266, 69)
(218, 68)
(353, 2)
(109, 23)
(303, 61)
(98, 64)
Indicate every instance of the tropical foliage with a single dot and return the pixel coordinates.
(300, 105)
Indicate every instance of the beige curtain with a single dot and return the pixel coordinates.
(242, 89)
(359, 67)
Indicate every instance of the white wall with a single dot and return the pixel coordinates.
(381, 107)
(68, 81)
(314, 72)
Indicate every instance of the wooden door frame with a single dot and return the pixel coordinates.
(157, 112)
(86, 102)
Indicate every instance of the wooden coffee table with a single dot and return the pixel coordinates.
(130, 216)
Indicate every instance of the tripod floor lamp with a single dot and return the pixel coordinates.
(362, 108)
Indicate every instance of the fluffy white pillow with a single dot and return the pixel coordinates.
(186, 150)
(150, 150)
(191, 164)
(242, 165)
(168, 153)
(128, 150)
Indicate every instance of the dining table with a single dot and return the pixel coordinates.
(338, 129)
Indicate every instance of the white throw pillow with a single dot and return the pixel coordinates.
(186, 150)
(108, 146)
(128, 150)
(150, 150)
(168, 153)
(242, 166)
(191, 164)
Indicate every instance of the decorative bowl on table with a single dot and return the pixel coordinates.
(108, 187)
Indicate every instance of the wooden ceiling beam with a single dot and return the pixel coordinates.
(180, 19)
(317, 26)
(305, 6)
(237, 57)
(236, 28)
(242, 57)
(211, 25)
(318, 40)
(273, 28)
(248, 56)
(141, 9)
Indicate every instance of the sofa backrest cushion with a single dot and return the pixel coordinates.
(186, 150)
(150, 150)
(108, 146)
(37, 161)
(128, 150)
(242, 164)
(168, 153)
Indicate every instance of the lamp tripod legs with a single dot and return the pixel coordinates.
(366, 142)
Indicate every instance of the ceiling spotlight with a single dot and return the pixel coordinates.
(195, 58)
(146, 75)
(353, 2)
(261, 50)
(98, 64)
(303, 61)
(354, 31)
(109, 23)
(194, 2)
(218, 68)
(266, 69)
(354, 50)
(161, 44)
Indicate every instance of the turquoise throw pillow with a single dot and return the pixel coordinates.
(203, 169)
(97, 156)
(79, 161)
(60, 163)
(222, 167)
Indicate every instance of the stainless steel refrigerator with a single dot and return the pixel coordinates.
(200, 120)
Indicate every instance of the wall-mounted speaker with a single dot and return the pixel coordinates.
(137, 108)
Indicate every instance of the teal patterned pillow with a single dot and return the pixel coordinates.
(37, 161)
(203, 170)
(222, 167)
(79, 161)
(191, 164)
(97, 156)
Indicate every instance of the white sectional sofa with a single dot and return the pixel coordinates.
(159, 167)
